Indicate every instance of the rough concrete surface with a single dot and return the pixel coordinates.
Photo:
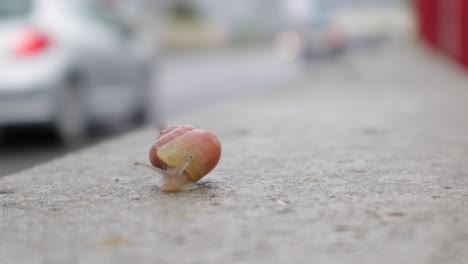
(364, 162)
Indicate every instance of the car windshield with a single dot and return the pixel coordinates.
(13, 8)
(103, 12)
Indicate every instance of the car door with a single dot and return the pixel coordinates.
(110, 56)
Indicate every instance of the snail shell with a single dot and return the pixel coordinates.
(183, 155)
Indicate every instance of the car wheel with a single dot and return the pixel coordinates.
(2, 135)
(71, 123)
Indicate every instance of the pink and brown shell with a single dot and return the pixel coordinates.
(177, 143)
(184, 151)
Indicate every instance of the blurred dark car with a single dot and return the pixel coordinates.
(318, 39)
(69, 64)
(322, 40)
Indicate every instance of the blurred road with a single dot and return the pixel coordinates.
(184, 83)
(190, 82)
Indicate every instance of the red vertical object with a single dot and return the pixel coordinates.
(443, 24)
(448, 26)
(419, 17)
(463, 32)
(428, 20)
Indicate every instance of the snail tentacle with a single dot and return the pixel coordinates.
(159, 171)
(182, 168)
(172, 180)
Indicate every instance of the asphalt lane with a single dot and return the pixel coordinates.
(193, 81)
(182, 83)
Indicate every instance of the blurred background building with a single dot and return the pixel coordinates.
(213, 23)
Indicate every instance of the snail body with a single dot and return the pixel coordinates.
(183, 155)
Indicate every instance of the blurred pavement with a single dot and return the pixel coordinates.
(365, 162)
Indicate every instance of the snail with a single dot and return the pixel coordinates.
(182, 155)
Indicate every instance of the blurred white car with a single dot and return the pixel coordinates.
(69, 63)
